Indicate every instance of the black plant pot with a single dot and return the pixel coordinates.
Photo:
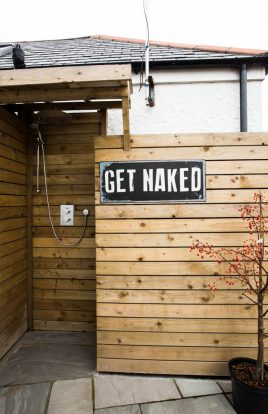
(248, 399)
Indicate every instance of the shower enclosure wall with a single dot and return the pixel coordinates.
(44, 285)
(64, 277)
(63, 291)
(13, 230)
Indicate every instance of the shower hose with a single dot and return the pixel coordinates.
(85, 211)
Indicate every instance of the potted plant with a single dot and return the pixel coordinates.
(247, 266)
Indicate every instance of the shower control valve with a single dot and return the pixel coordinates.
(66, 215)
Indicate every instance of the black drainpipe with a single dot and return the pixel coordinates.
(243, 99)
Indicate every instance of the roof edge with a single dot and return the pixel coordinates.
(207, 48)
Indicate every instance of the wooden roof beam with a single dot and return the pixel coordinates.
(47, 95)
(65, 106)
(64, 75)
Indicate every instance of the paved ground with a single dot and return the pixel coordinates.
(53, 373)
(48, 357)
(118, 394)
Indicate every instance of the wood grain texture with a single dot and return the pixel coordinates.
(64, 278)
(13, 230)
(185, 140)
(155, 311)
(55, 76)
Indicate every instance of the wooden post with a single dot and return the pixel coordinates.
(104, 121)
(126, 132)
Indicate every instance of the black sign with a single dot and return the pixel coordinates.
(152, 181)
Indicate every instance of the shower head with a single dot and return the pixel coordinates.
(52, 116)
(38, 135)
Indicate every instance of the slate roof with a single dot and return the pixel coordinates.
(96, 50)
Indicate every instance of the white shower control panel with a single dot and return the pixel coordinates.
(67, 215)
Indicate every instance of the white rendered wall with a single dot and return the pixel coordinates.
(193, 100)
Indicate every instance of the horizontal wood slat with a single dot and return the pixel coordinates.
(207, 153)
(170, 211)
(65, 326)
(177, 339)
(195, 296)
(161, 283)
(154, 310)
(185, 140)
(215, 368)
(167, 239)
(143, 324)
(171, 353)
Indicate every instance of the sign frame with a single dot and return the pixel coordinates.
(103, 165)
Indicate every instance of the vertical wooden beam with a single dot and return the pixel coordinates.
(104, 121)
(126, 131)
(29, 258)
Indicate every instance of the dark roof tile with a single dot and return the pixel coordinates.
(107, 49)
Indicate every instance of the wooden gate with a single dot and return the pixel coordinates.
(155, 312)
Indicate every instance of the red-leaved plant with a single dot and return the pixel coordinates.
(246, 265)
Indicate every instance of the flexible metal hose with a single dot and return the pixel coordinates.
(41, 143)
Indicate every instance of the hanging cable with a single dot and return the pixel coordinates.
(85, 212)
(146, 45)
(38, 166)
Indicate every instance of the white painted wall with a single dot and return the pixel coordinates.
(193, 100)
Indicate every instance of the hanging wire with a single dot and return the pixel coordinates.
(147, 45)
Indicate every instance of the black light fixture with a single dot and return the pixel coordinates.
(151, 95)
(18, 57)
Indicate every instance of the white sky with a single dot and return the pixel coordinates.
(238, 23)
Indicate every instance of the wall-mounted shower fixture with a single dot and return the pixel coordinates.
(54, 117)
(66, 215)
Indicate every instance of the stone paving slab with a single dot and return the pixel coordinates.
(47, 362)
(24, 399)
(215, 404)
(71, 397)
(230, 398)
(116, 390)
(226, 385)
(197, 387)
(127, 409)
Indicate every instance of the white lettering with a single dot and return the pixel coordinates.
(171, 180)
(148, 180)
(196, 179)
(119, 189)
(109, 185)
(160, 184)
(183, 179)
(131, 179)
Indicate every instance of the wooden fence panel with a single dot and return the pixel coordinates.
(155, 311)
(13, 230)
